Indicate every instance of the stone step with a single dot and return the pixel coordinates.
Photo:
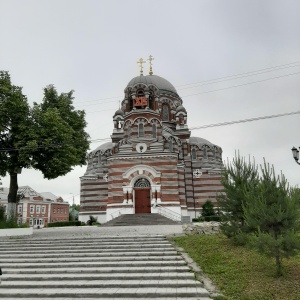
(68, 259)
(104, 264)
(98, 293)
(140, 219)
(83, 238)
(94, 254)
(86, 247)
(109, 298)
(100, 276)
(102, 268)
(113, 283)
(72, 243)
(88, 270)
(123, 238)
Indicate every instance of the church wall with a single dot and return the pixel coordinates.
(167, 165)
(93, 195)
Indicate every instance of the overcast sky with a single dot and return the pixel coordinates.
(92, 47)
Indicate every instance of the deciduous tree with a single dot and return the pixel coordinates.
(49, 137)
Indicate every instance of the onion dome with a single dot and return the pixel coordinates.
(119, 112)
(159, 82)
(180, 108)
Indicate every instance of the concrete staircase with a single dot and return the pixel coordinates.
(140, 219)
(117, 267)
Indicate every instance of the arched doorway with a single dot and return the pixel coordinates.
(142, 196)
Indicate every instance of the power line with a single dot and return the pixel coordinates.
(218, 79)
(245, 120)
(238, 85)
(242, 75)
(191, 128)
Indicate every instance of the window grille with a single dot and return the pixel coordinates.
(142, 182)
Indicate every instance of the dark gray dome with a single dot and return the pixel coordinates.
(180, 108)
(199, 141)
(119, 112)
(159, 82)
(104, 147)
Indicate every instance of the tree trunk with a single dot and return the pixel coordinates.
(277, 256)
(278, 263)
(12, 196)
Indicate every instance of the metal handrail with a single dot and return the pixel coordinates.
(168, 213)
(118, 213)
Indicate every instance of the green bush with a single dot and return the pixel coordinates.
(63, 224)
(11, 223)
(2, 213)
(92, 221)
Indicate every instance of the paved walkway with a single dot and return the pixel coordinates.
(95, 231)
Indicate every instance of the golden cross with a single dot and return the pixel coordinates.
(141, 62)
(151, 58)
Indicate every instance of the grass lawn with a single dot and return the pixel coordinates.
(241, 273)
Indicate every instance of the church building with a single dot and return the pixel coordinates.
(152, 163)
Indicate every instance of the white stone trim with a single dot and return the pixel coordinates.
(140, 169)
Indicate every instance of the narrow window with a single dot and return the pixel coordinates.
(204, 152)
(150, 101)
(194, 154)
(141, 130)
(154, 130)
(165, 113)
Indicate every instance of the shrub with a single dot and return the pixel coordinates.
(92, 221)
(63, 224)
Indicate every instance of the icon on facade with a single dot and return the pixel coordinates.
(197, 173)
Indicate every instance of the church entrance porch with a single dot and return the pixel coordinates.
(142, 201)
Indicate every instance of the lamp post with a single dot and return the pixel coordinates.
(295, 152)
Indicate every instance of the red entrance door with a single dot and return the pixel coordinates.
(142, 201)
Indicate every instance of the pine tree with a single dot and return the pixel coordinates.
(273, 209)
(238, 177)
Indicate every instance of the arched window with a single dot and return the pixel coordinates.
(194, 154)
(154, 130)
(150, 101)
(130, 104)
(141, 130)
(140, 93)
(165, 112)
(204, 152)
